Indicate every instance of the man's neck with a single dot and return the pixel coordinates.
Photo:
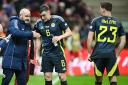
(49, 17)
(107, 14)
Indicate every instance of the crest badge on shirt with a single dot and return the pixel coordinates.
(42, 27)
(22, 29)
(52, 24)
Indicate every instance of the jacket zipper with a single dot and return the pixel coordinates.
(12, 57)
(6, 51)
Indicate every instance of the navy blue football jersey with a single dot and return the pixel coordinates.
(53, 27)
(107, 30)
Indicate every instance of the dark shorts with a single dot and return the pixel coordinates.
(109, 63)
(49, 61)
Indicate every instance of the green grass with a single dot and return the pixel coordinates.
(74, 80)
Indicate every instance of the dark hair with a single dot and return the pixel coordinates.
(106, 5)
(44, 7)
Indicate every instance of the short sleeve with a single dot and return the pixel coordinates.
(93, 26)
(121, 30)
(63, 25)
(36, 28)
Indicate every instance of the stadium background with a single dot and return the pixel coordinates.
(78, 14)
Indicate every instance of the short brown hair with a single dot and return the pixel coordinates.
(106, 5)
(44, 7)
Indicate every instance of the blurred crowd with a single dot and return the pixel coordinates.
(77, 14)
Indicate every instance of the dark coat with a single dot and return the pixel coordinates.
(15, 55)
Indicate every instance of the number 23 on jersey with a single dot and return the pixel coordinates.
(104, 29)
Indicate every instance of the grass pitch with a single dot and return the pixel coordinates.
(73, 80)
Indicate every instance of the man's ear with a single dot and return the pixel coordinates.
(49, 11)
(20, 16)
(104, 10)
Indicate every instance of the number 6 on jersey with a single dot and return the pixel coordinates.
(47, 32)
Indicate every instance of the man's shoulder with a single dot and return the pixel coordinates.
(38, 22)
(57, 17)
(96, 18)
(13, 18)
(116, 19)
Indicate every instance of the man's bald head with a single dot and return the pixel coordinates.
(25, 15)
(24, 11)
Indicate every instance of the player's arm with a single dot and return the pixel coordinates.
(37, 44)
(122, 37)
(89, 42)
(64, 27)
(14, 30)
(37, 39)
(121, 45)
(67, 33)
(91, 34)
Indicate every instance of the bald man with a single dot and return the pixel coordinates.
(15, 55)
(25, 12)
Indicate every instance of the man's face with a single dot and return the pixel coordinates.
(26, 17)
(45, 15)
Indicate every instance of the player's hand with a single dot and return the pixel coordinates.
(89, 57)
(56, 39)
(35, 34)
(35, 62)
